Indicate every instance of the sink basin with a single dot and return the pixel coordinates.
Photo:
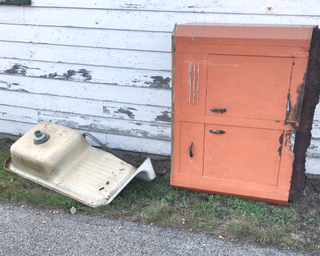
(61, 159)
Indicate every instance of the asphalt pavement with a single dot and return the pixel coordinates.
(31, 231)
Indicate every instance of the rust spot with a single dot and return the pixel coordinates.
(165, 117)
(297, 108)
(281, 142)
(293, 112)
(159, 82)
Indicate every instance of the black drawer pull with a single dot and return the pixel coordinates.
(221, 110)
(217, 132)
(191, 146)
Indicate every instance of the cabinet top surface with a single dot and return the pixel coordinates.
(284, 35)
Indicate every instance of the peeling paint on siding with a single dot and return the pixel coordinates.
(94, 74)
(17, 69)
(80, 75)
(108, 126)
(127, 111)
(106, 110)
(159, 82)
(165, 117)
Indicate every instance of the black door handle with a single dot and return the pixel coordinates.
(221, 110)
(217, 132)
(190, 152)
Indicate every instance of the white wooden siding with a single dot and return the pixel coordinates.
(105, 66)
(87, 73)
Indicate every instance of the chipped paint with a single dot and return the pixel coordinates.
(106, 110)
(159, 82)
(165, 117)
(127, 111)
(109, 126)
(17, 69)
(281, 142)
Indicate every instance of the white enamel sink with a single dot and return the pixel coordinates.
(61, 159)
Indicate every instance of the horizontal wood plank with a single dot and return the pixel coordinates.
(89, 56)
(248, 6)
(109, 126)
(315, 132)
(313, 166)
(135, 144)
(314, 149)
(86, 107)
(87, 73)
(14, 127)
(316, 116)
(101, 92)
(140, 20)
(103, 38)
(18, 114)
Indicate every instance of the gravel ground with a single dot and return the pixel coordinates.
(31, 231)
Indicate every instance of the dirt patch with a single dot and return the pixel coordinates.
(7, 140)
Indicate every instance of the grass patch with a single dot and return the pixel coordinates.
(295, 226)
(242, 229)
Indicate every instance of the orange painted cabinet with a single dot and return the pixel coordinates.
(237, 96)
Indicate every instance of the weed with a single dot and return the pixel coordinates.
(238, 229)
(283, 216)
(277, 235)
(208, 227)
(260, 235)
(157, 212)
(259, 210)
(212, 207)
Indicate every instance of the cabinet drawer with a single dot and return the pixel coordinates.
(191, 148)
(248, 86)
(242, 154)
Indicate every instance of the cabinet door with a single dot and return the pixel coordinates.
(242, 154)
(191, 148)
(190, 89)
(248, 86)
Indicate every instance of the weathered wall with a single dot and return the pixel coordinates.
(105, 66)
